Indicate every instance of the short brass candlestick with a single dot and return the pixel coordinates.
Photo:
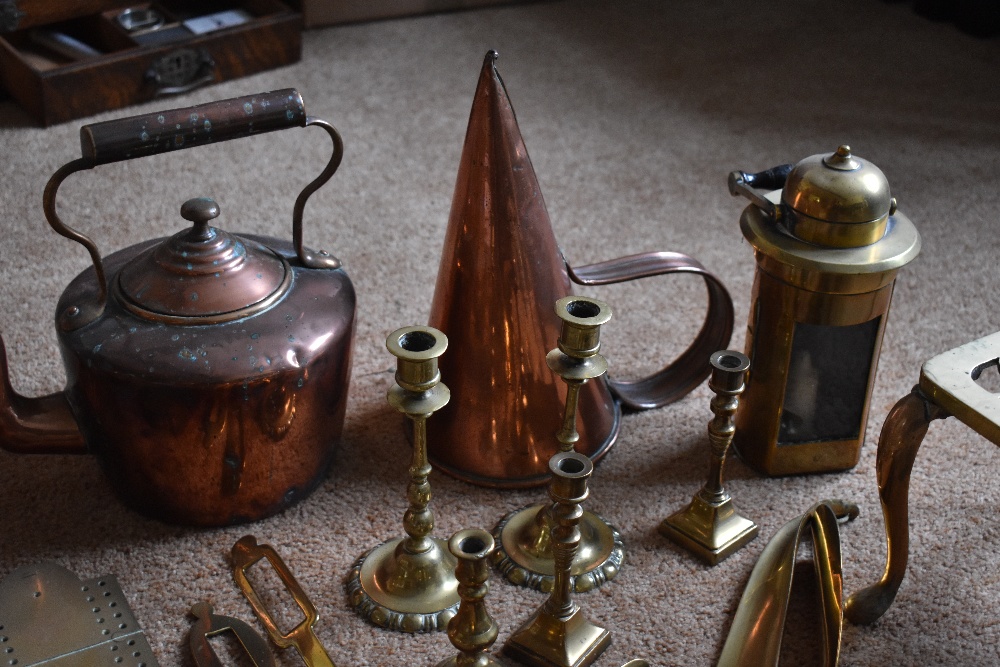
(559, 635)
(710, 527)
(524, 553)
(408, 584)
(472, 631)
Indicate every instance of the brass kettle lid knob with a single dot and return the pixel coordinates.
(842, 159)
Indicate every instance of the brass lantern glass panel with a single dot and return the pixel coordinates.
(828, 372)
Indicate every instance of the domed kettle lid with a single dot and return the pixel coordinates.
(837, 200)
(203, 275)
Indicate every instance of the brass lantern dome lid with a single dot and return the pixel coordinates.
(202, 275)
(837, 200)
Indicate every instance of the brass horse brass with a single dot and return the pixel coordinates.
(246, 552)
(210, 624)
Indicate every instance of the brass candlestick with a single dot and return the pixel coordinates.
(524, 552)
(710, 527)
(408, 584)
(472, 631)
(558, 635)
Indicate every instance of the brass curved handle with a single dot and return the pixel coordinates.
(758, 627)
(690, 369)
(177, 129)
(902, 433)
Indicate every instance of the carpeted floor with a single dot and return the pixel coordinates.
(634, 112)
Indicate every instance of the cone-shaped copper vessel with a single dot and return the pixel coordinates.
(500, 275)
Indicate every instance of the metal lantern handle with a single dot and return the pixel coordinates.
(177, 129)
(753, 186)
(690, 369)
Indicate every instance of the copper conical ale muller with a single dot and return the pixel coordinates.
(500, 273)
(501, 270)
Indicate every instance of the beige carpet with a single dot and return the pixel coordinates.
(634, 113)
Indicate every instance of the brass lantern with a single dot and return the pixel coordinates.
(828, 242)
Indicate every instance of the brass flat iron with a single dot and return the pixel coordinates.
(501, 270)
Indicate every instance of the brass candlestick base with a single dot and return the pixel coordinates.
(710, 527)
(559, 635)
(408, 584)
(712, 531)
(397, 590)
(524, 553)
(552, 642)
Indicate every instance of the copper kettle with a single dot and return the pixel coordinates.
(208, 371)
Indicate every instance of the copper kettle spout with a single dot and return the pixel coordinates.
(42, 425)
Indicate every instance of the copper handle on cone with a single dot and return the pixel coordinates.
(679, 377)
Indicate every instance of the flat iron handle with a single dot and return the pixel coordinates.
(690, 369)
(177, 129)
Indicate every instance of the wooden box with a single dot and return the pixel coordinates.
(327, 12)
(44, 66)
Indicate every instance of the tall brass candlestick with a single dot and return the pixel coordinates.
(473, 630)
(559, 635)
(524, 552)
(408, 584)
(709, 526)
